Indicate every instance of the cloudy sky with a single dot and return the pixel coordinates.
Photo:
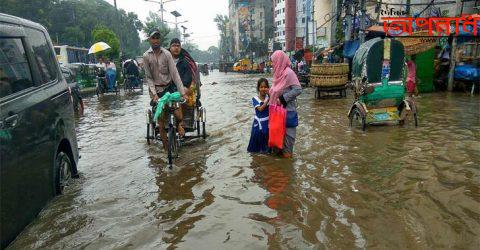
(199, 13)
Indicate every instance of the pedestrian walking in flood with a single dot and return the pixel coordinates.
(259, 134)
(284, 91)
(412, 77)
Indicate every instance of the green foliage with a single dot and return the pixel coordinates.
(71, 22)
(155, 23)
(202, 56)
(74, 22)
(103, 34)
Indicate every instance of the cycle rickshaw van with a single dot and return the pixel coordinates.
(194, 119)
(378, 75)
(131, 76)
(102, 84)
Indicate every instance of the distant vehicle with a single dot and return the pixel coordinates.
(225, 66)
(246, 66)
(38, 145)
(74, 89)
(204, 69)
(69, 54)
(242, 65)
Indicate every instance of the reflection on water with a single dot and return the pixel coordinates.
(388, 187)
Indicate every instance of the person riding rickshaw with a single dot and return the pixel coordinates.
(169, 93)
(378, 75)
(131, 74)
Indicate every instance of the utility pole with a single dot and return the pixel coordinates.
(251, 9)
(408, 7)
(314, 31)
(363, 16)
(348, 18)
(453, 57)
(307, 21)
(306, 31)
(379, 10)
(161, 7)
(184, 29)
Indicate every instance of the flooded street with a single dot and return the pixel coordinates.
(389, 187)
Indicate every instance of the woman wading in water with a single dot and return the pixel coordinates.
(284, 91)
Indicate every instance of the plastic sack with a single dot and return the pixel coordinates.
(277, 125)
(166, 98)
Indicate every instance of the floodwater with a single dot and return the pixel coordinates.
(390, 187)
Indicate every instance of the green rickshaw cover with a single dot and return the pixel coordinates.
(390, 91)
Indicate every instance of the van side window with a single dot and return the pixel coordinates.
(43, 54)
(15, 72)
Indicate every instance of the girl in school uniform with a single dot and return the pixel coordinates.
(259, 135)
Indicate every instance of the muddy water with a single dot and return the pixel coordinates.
(388, 187)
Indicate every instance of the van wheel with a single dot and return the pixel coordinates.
(63, 172)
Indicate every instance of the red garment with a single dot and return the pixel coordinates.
(276, 125)
(411, 76)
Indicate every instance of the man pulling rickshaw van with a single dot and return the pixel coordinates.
(162, 77)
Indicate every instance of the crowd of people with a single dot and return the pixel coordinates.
(174, 70)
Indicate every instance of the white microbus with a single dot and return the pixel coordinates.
(69, 54)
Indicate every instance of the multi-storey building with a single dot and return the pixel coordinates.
(249, 20)
(304, 24)
(279, 23)
(293, 21)
(324, 20)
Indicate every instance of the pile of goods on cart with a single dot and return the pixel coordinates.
(329, 78)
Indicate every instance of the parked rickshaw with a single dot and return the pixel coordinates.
(378, 73)
(194, 119)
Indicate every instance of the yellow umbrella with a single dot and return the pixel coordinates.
(97, 47)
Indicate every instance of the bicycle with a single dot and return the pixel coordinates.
(173, 138)
(194, 120)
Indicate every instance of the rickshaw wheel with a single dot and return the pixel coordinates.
(355, 115)
(406, 121)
